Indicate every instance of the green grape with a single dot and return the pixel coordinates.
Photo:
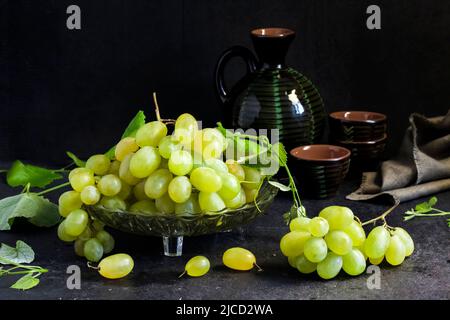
(79, 247)
(97, 225)
(157, 183)
(185, 128)
(69, 201)
(250, 195)
(330, 266)
(217, 165)
(180, 189)
(299, 224)
(236, 169)
(315, 249)
(230, 186)
(197, 266)
(239, 259)
(125, 191)
(197, 160)
(238, 201)
(144, 162)
(93, 250)
(180, 162)
(293, 261)
(99, 164)
(191, 206)
(106, 240)
(318, 227)
(304, 265)
(139, 189)
(338, 217)
(407, 240)
(150, 134)
(124, 171)
(113, 203)
(252, 178)
(125, 147)
(206, 179)
(361, 248)
(109, 185)
(114, 168)
(354, 262)
(76, 222)
(209, 143)
(62, 234)
(339, 242)
(292, 243)
(116, 266)
(80, 180)
(164, 204)
(356, 233)
(79, 170)
(377, 242)
(376, 261)
(167, 145)
(210, 202)
(144, 206)
(395, 253)
(86, 234)
(90, 195)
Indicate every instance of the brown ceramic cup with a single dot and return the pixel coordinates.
(356, 126)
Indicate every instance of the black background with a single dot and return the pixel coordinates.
(76, 90)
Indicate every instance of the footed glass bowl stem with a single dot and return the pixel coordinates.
(173, 246)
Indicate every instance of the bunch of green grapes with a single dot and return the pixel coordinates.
(153, 172)
(335, 240)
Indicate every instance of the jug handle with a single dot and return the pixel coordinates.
(236, 51)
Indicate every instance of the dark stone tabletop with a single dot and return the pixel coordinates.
(425, 275)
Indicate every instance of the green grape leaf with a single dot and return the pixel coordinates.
(22, 253)
(423, 207)
(432, 202)
(37, 209)
(280, 186)
(26, 282)
(134, 125)
(78, 162)
(21, 174)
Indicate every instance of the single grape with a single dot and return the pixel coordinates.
(197, 266)
(330, 266)
(304, 265)
(354, 262)
(377, 242)
(125, 191)
(106, 240)
(144, 162)
(80, 180)
(210, 202)
(125, 147)
(299, 224)
(144, 206)
(376, 261)
(217, 165)
(113, 203)
(124, 171)
(62, 234)
(164, 204)
(407, 240)
(239, 259)
(250, 195)
(236, 169)
(139, 190)
(167, 145)
(318, 227)
(68, 202)
(99, 164)
(86, 234)
(230, 186)
(339, 242)
(292, 261)
(109, 185)
(79, 247)
(338, 217)
(206, 179)
(396, 252)
(79, 170)
(185, 128)
(93, 250)
(180, 162)
(356, 233)
(150, 134)
(114, 167)
(292, 243)
(90, 195)
(180, 189)
(76, 222)
(238, 201)
(191, 206)
(116, 266)
(252, 178)
(315, 249)
(157, 183)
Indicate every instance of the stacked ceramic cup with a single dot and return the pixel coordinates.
(363, 133)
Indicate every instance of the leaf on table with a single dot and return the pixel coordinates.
(37, 209)
(21, 174)
(423, 207)
(280, 186)
(26, 282)
(78, 162)
(22, 253)
(134, 125)
(432, 202)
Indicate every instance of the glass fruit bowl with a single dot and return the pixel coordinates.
(172, 227)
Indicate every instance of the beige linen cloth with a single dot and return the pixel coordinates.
(421, 167)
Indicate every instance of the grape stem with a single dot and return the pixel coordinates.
(89, 264)
(158, 115)
(258, 267)
(184, 272)
(65, 184)
(381, 217)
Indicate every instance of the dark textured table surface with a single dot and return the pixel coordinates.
(425, 275)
